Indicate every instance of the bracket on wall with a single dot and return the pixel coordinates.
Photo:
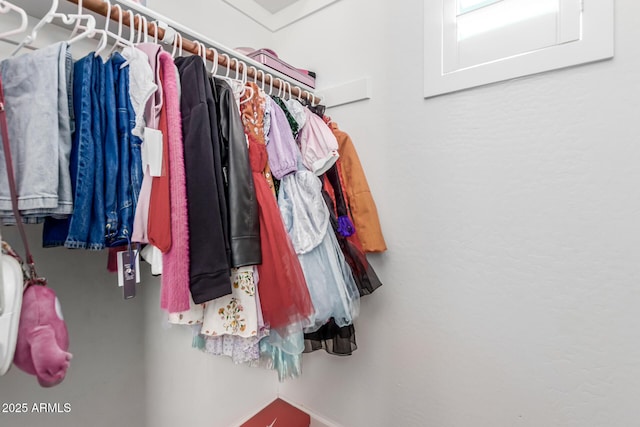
(346, 93)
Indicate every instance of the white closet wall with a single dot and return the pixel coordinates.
(511, 212)
(217, 20)
(105, 384)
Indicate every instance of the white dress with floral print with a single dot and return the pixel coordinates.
(235, 314)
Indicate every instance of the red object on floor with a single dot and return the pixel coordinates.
(279, 414)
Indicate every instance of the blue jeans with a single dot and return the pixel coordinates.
(36, 95)
(56, 229)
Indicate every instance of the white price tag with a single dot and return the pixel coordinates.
(152, 151)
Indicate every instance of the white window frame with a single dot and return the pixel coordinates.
(596, 43)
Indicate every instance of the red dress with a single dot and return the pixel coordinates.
(284, 295)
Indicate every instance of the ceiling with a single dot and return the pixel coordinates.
(275, 6)
(277, 14)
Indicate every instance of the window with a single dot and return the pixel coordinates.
(474, 42)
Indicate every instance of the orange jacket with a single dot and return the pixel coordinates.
(363, 209)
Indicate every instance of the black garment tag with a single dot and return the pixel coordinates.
(127, 273)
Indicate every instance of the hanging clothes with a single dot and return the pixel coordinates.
(175, 295)
(129, 174)
(209, 257)
(86, 227)
(234, 314)
(251, 218)
(243, 220)
(333, 339)
(266, 123)
(239, 349)
(284, 294)
(318, 145)
(151, 112)
(282, 351)
(142, 85)
(361, 203)
(149, 77)
(159, 218)
(105, 166)
(232, 325)
(329, 279)
(335, 198)
(37, 91)
(293, 124)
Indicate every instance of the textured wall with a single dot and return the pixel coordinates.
(105, 384)
(216, 20)
(512, 216)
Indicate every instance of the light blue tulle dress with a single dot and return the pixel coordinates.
(306, 217)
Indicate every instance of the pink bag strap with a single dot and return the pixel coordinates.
(12, 188)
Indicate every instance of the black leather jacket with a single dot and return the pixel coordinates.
(242, 206)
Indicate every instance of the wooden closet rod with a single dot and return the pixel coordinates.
(102, 8)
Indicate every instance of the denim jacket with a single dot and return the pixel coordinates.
(86, 226)
(127, 152)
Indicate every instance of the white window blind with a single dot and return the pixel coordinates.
(474, 42)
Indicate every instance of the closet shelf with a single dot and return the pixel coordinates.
(189, 44)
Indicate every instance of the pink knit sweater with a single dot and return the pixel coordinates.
(175, 296)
